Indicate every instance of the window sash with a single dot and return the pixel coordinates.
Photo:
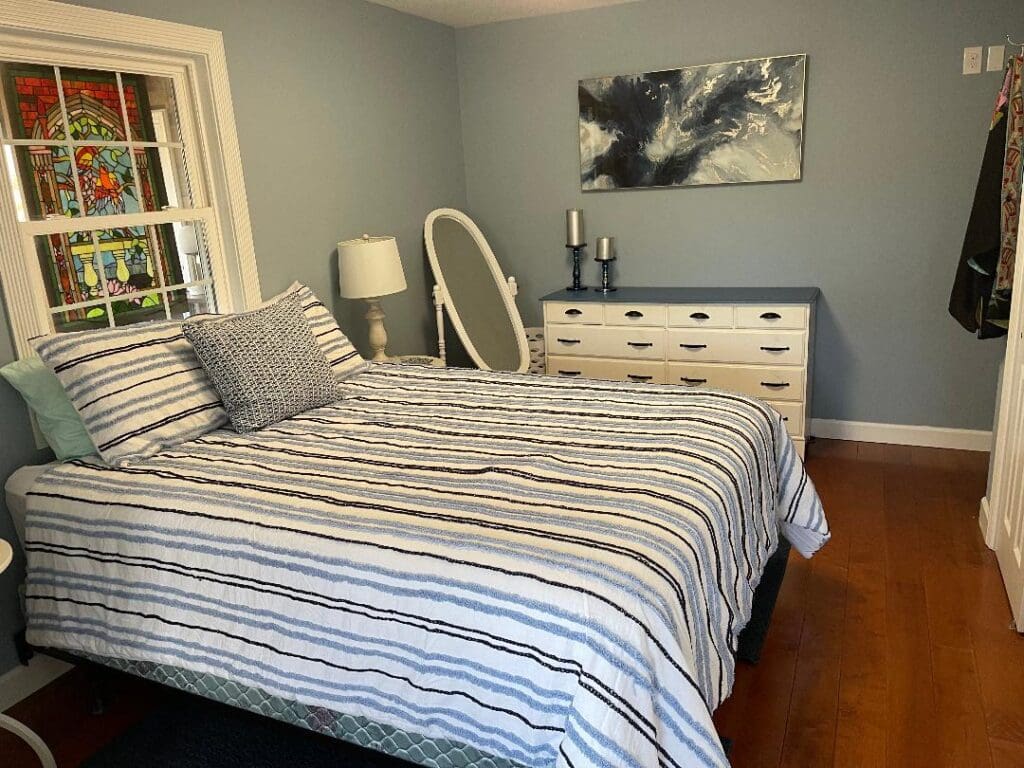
(47, 33)
(94, 224)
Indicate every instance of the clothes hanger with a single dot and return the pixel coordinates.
(1015, 44)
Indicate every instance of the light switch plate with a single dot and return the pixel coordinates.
(972, 60)
(996, 56)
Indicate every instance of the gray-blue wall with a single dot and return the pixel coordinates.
(894, 137)
(347, 116)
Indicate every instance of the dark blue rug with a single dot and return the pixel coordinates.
(190, 732)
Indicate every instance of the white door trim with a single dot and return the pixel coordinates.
(903, 434)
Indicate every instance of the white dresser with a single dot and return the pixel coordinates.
(758, 341)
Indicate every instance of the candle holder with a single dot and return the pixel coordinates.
(577, 285)
(606, 277)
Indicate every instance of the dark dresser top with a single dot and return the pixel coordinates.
(689, 296)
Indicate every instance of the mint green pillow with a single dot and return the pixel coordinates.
(57, 418)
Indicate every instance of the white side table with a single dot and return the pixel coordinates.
(9, 723)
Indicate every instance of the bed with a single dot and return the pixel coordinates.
(457, 567)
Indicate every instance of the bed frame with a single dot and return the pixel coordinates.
(412, 747)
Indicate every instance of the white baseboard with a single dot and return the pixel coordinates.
(903, 434)
(22, 681)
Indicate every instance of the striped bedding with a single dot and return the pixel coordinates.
(553, 571)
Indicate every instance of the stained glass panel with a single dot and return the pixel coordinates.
(107, 180)
(141, 309)
(33, 89)
(93, 105)
(48, 181)
(129, 263)
(69, 268)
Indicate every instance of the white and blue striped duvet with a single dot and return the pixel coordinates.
(553, 571)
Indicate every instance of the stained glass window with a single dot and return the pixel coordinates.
(92, 144)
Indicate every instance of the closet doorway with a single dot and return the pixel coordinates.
(1006, 513)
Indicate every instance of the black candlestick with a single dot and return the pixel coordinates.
(606, 278)
(577, 285)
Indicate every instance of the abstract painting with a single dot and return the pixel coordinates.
(730, 123)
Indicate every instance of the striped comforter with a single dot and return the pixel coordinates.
(553, 571)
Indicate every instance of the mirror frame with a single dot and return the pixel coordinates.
(496, 273)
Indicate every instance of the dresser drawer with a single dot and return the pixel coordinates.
(781, 316)
(568, 312)
(733, 346)
(700, 316)
(792, 415)
(766, 382)
(635, 314)
(612, 370)
(592, 341)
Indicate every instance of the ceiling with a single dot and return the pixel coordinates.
(469, 13)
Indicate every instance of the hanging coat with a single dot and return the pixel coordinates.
(980, 300)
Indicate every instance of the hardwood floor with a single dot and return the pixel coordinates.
(891, 647)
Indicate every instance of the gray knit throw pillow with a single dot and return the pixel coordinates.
(266, 364)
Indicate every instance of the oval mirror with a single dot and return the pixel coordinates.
(475, 292)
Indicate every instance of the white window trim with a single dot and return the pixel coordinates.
(38, 30)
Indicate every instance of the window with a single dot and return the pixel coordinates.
(82, 147)
(121, 194)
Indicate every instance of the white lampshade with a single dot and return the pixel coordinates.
(369, 267)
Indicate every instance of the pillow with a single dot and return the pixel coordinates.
(344, 358)
(138, 389)
(266, 364)
(57, 418)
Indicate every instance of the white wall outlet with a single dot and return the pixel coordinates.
(972, 60)
(996, 57)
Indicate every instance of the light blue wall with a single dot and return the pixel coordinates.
(894, 137)
(347, 116)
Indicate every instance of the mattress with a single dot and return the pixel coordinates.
(554, 572)
(16, 492)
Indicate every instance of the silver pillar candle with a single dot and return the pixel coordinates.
(574, 235)
(605, 249)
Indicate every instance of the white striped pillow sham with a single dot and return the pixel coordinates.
(138, 389)
(342, 355)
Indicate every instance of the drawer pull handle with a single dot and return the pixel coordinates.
(785, 418)
(700, 316)
(771, 316)
(640, 344)
(568, 373)
(694, 346)
(638, 377)
(573, 312)
(568, 341)
(775, 384)
(694, 382)
(634, 313)
(775, 349)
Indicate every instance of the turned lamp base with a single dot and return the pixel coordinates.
(378, 335)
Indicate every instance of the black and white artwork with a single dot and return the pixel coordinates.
(711, 124)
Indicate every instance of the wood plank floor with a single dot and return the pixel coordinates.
(892, 647)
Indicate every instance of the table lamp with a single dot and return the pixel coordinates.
(368, 268)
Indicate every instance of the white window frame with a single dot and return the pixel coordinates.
(68, 35)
